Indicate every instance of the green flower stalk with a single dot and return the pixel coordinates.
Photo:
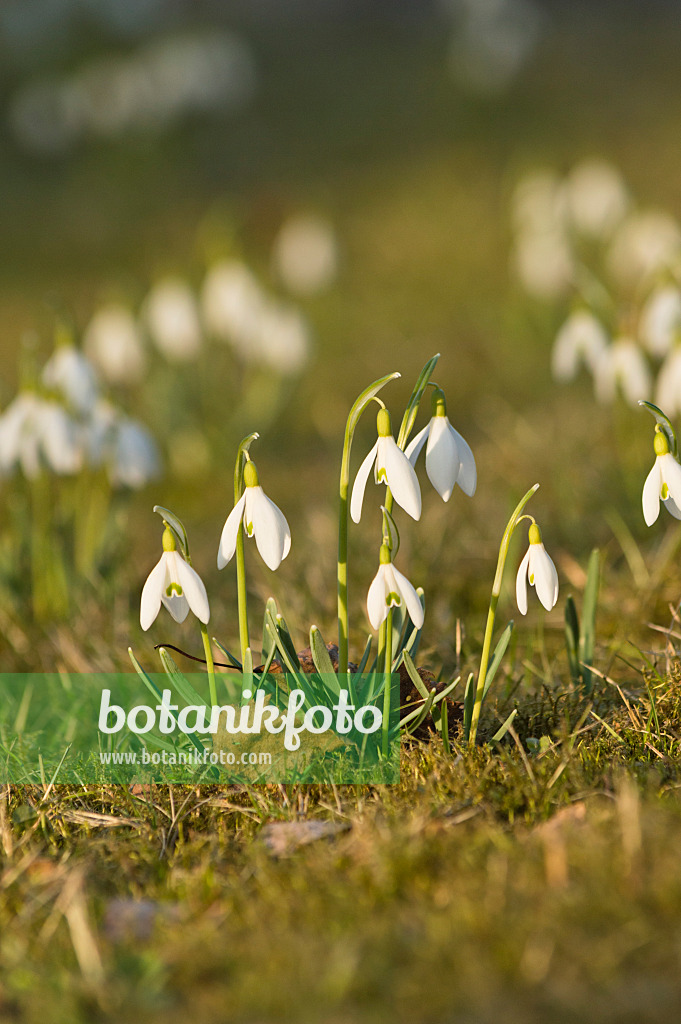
(491, 614)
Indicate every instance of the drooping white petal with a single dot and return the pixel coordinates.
(651, 494)
(467, 478)
(193, 588)
(60, 439)
(72, 374)
(442, 457)
(272, 533)
(152, 592)
(670, 474)
(672, 507)
(360, 483)
(411, 598)
(413, 449)
(543, 573)
(581, 338)
(660, 320)
(177, 605)
(227, 545)
(377, 607)
(521, 584)
(402, 479)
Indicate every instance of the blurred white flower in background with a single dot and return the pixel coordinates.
(581, 339)
(71, 374)
(622, 365)
(37, 433)
(543, 264)
(597, 197)
(163, 82)
(283, 340)
(646, 243)
(135, 459)
(259, 328)
(232, 303)
(668, 386)
(491, 41)
(171, 316)
(113, 342)
(660, 321)
(305, 254)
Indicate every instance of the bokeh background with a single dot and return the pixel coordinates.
(143, 141)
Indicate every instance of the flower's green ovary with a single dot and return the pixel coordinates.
(344, 486)
(491, 614)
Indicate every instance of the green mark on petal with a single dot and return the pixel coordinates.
(176, 588)
(532, 580)
(392, 599)
(664, 492)
(249, 529)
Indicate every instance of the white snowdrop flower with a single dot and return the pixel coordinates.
(538, 567)
(663, 481)
(581, 339)
(305, 254)
(389, 588)
(113, 342)
(37, 433)
(645, 243)
(172, 319)
(72, 375)
(175, 584)
(538, 204)
(134, 460)
(19, 435)
(660, 323)
(283, 339)
(262, 519)
(449, 459)
(543, 263)
(392, 467)
(232, 305)
(622, 364)
(668, 384)
(61, 439)
(597, 198)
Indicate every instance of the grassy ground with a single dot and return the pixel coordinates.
(537, 881)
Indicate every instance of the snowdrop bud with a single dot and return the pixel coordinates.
(172, 319)
(251, 475)
(113, 342)
(168, 540)
(383, 423)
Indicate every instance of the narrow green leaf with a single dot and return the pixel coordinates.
(288, 664)
(320, 655)
(287, 640)
(412, 409)
(587, 639)
(228, 654)
(267, 638)
(500, 733)
(468, 703)
(414, 676)
(365, 656)
(572, 639)
(185, 689)
(499, 652)
(423, 712)
(151, 685)
(444, 728)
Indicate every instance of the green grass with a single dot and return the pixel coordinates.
(490, 885)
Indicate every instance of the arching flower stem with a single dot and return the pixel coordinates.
(491, 613)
